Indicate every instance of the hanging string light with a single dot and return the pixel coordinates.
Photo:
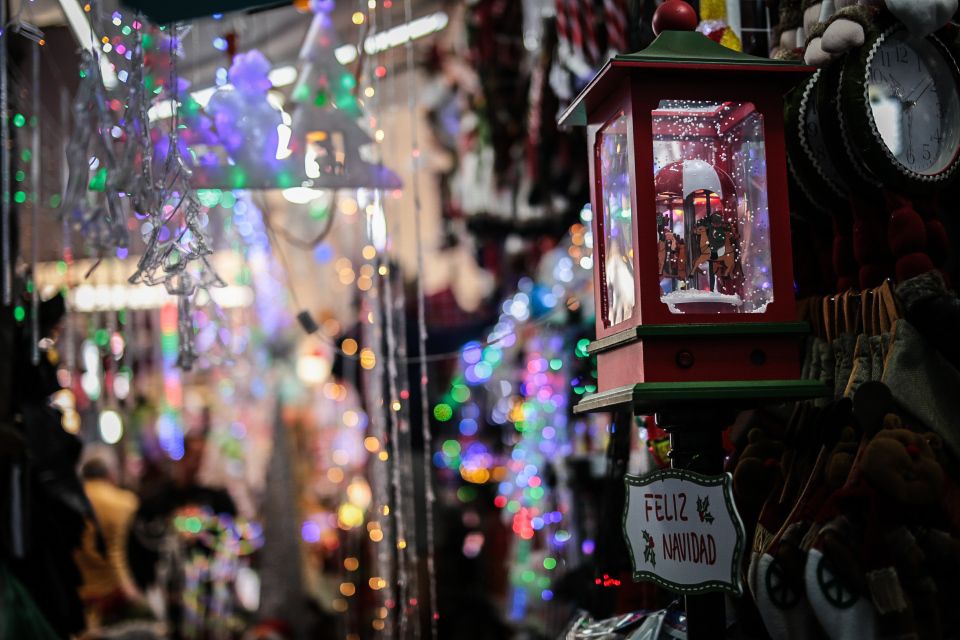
(394, 305)
(428, 493)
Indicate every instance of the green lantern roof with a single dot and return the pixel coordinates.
(681, 50)
(694, 47)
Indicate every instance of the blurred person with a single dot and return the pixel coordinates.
(158, 549)
(108, 590)
(43, 508)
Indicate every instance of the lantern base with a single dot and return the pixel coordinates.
(647, 397)
(689, 353)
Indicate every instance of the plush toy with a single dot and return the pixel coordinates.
(758, 471)
(798, 462)
(790, 32)
(758, 479)
(757, 476)
(934, 310)
(868, 568)
(834, 27)
(900, 465)
(779, 586)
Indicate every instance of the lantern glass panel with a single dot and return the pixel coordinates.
(613, 156)
(713, 223)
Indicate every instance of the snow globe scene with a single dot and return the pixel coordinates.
(713, 247)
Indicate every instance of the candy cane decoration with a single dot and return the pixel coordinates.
(575, 29)
(563, 31)
(616, 23)
(590, 31)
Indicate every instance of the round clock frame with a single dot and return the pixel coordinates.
(871, 157)
(809, 159)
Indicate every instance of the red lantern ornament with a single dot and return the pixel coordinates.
(693, 267)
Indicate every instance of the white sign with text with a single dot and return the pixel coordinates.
(683, 531)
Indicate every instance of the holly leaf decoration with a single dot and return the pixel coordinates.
(649, 549)
(703, 509)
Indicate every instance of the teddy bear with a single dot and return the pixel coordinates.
(757, 471)
(873, 565)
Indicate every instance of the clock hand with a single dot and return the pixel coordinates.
(915, 100)
(908, 142)
(897, 89)
(910, 103)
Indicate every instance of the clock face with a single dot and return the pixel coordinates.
(914, 103)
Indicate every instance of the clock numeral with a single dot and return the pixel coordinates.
(927, 153)
(879, 77)
(911, 158)
(885, 58)
(903, 56)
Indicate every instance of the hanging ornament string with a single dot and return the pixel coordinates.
(275, 242)
(311, 243)
(494, 339)
(381, 470)
(399, 432)
(397, 460)
(35, 204)
(397, 359)
(413, 107)
(69, 338)
(5, 252)
(371, 333)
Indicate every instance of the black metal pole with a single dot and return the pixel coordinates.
(696, 444)
(612, 554)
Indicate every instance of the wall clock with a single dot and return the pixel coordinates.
(809, 157)
(898, 107)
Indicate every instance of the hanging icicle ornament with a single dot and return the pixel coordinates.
(91, 201)
(138, 157)
(176, 250)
